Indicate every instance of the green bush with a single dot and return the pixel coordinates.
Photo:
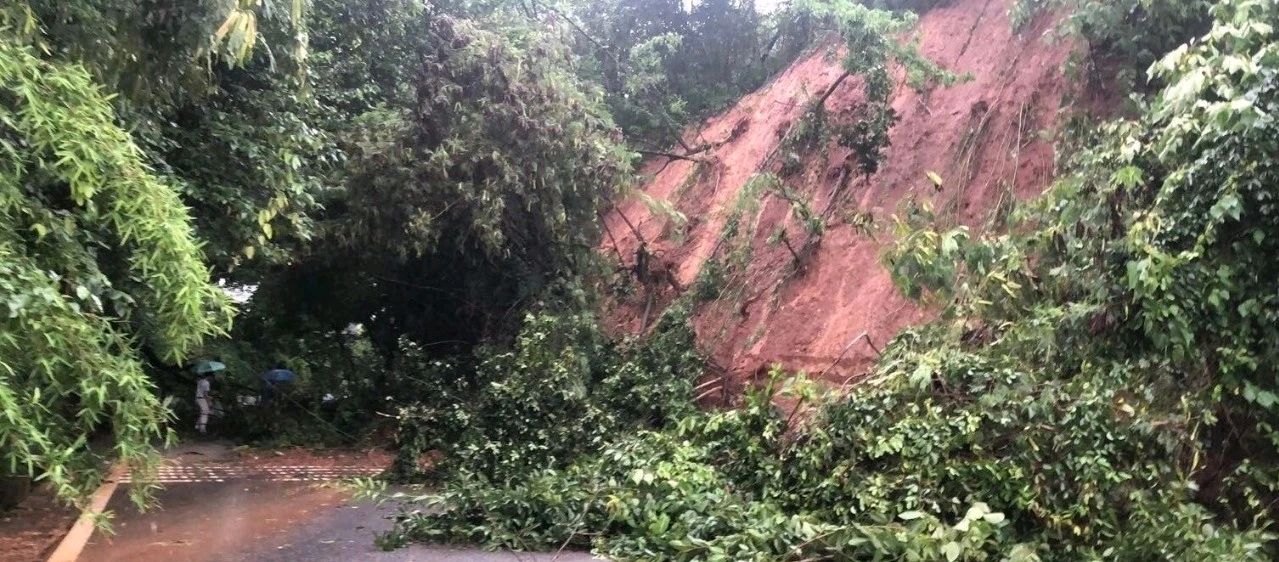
(1122, 38)
(561, 390)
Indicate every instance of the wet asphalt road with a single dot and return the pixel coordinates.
(256, 515)
(246, 521)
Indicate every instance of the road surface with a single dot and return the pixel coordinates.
(215, 510)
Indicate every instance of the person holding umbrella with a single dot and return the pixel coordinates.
(204, 371)
(273, 379)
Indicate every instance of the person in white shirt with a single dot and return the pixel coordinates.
(202, 402)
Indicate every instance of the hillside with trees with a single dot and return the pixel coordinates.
(667, 280)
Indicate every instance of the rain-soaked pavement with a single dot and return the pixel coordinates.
(217, 511)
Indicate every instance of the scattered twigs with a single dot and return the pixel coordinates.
(673, 156)
(576, 27)
(708, 383)
(794, 255)
(821, 102)
(862, 336)
(855, 376)
(708, 388)
(617, 249)
(630, 225)
(803, 399)
(648, 309)
(793, 411)
(577, 524)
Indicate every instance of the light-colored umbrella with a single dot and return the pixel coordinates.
(206, 367)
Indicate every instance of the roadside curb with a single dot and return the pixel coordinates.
(73, 542)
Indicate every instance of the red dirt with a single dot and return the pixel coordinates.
(982, 136)
(31, 530)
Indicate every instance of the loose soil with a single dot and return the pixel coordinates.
(32, 530)
(987, 138)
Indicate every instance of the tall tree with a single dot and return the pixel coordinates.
(465, 195)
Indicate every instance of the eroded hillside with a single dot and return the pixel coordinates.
(988, 139)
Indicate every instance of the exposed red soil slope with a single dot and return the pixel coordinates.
(985, 137)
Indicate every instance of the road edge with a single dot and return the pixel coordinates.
(77, 537)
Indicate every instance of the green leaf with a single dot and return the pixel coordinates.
(1127, 177)
(951, 550)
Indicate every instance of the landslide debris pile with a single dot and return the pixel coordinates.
(1096, 380)
(989, 139)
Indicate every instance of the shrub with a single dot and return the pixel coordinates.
(563, 389)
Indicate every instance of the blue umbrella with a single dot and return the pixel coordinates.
(279, 375)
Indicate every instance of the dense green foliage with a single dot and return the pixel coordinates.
(242, 119)
(663, 63)
(1118, 37)
(560, 390)
(870, 39)
(1100, 384)
(468, 193)
(97, 257)
(203, 86)
(666, 63)
(410, 192)
(392, 181)
(141, 142)
(465, 194)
